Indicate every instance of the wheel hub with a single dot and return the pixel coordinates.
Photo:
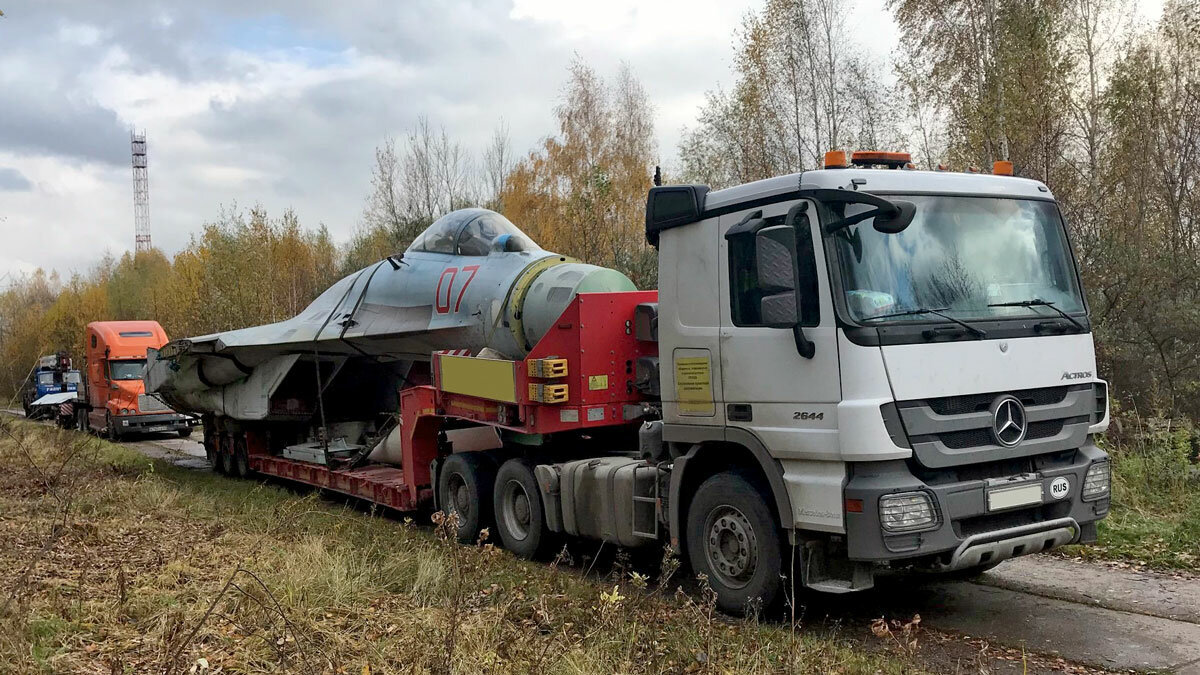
(516, 511)
(461, 495)
(731, 547)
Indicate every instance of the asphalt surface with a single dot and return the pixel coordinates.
(1097, 615)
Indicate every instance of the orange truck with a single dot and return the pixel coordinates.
(113, 402)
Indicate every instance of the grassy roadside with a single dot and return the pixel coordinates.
(1155, 516)
(117, 563)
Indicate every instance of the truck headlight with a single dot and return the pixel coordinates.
(1097, 481)
(906, 511)
(124, 411)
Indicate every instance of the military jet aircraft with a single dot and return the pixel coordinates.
(471, 281)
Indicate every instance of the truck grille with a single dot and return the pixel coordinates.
(149, 404)
(957, 430)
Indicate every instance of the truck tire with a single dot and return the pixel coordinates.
(225, 454)
(520, 515)
(214, 459)
(185, 432)
(465, 487)
(734, 540)
(241, 458)
(110, 429)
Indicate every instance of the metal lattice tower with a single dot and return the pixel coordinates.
(141, 193)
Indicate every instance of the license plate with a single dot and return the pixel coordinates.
(151, 430)
(1014, 496)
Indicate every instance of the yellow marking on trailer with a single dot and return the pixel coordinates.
(493, 379)
(548, 393)
(547, 368)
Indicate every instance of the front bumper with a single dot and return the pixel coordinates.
(966, 532)
(138, 424)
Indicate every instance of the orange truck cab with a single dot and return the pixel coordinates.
(116, 403)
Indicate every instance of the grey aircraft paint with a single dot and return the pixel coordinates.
(471, 281)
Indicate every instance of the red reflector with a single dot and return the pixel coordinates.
(854, 506)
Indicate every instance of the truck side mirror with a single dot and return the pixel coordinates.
(673, 206)
(775, 255)
(896, 222)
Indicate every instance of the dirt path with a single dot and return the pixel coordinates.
(1085, 613)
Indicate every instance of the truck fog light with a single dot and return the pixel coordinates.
(906, 511)
(1097, 481)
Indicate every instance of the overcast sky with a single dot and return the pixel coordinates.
(282, 102)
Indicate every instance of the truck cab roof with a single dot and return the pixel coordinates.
(881, 181)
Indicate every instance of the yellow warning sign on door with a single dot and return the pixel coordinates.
(693, 385)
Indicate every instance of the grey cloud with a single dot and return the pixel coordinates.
(54, 125)
(13, 180)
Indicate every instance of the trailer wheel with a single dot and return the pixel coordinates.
(465, 488)
(225, 451)
(520, 515)
(214, 460)
(734, 540)
(241, 459)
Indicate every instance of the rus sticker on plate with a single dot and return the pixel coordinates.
(1013, 496)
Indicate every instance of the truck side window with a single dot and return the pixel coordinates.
(745, 295)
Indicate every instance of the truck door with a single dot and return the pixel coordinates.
(97, 374)
(789, 402)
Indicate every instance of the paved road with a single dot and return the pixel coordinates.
(1115, 619)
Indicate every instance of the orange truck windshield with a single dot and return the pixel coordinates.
(126, 369)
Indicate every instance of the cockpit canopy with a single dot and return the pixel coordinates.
(472, 232)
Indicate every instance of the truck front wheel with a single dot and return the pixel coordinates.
(733, 539)
(465, 487)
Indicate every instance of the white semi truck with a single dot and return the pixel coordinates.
(900, 362)
(845, 371)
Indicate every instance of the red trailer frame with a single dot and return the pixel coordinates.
(579, 376)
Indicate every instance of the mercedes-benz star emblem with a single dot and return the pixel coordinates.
(1008, 421)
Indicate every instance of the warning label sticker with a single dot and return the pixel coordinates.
(693, 385)
(597, 382)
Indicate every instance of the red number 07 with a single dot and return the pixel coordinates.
(442, 302)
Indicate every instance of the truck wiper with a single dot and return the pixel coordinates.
(1038, 302)
(978, 332)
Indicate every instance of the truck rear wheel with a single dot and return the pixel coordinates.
(465, 487)
(733, 539)
(520, 515)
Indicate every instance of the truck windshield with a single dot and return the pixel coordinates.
(128, 369)
(963, 256)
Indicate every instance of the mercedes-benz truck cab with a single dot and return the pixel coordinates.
(907, 352)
